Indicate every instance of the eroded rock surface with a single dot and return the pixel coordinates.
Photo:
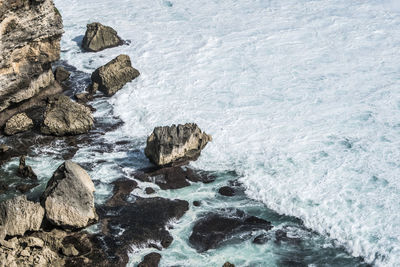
(174, 144)
(99, 37)
(61, 74)
(114, 75)
(66, 117)
(17, 124)
(30, 33)
(68, 198)
(18, 215)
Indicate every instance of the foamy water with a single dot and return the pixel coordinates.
(302, 99)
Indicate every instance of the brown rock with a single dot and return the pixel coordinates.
(173, 144)
(18, 215)
(228, 264)
(24, 170)
(61, 74)
(150, 260)
(65, 117)
(99, 37)
(17, 124)
(114, 75)
(68, 198)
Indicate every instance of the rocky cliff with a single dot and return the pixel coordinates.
(30, 33)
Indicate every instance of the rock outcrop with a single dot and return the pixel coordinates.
(114, 75)
(68, 198)
(174, 144)
(61, 74)
(18, 215)
(65, 117)
(99, 37)
(30, 33)
(17, 124)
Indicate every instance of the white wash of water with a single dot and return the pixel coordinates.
(301, 97)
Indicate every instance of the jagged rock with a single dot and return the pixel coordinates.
(99, 37)
(172, 144)
(212, 230)
(114, 75)
(68, 198)
(228, 264)
(61, 74)
(30, 33)
(17, 124)
(227, 191)
(150, 260)
(24, 170)
(65, 117)
(149, 190)
(18, 215)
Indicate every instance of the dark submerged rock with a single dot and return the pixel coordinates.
(24, 188)
(150, 260)
(212, 230)
(175, 144)
(149, 190)
(228, 264)
(113, 76)
(24, 170)
(227, 191)
(173, 177)
(99, 37)
(61, 74)
(196, 203)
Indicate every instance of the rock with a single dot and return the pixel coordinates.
(150, 260)
(173, 177)
(61, 74)
(215, 228)
(4, 148)
(65, 117)
(196, 203)
(18, 215)
(24, 170)
(83, 97)
(228, 264)
(99, 37)
(261, 239)
(70, 250)
(32, 241)
(30, 33)
(25, 253)
(3, 187)
(17, 124)
(68, 198)
(23, 188)
(114, 75)
(149, 190)
(10, 244)
(171, 144)
(226, 191)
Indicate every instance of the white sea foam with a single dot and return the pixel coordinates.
(301, 97)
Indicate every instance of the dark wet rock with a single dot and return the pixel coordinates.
(175, 144)
(68, 198)
(122, 189)
(65, 117)
(83, 97)
(261, 239)
(24, 188)
(24, 170)
(149, 190)
(3, 187)
(281, 236)
(99, 37)
(228, 264)
(17, 124)
(173, 177)
(196, 203)
(113, 76)
(150, 260)
(212, 230)
(61, 74)
(227, 191)
(18, 215)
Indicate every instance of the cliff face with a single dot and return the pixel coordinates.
(30, 33)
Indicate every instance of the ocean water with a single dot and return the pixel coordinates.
(302, 99)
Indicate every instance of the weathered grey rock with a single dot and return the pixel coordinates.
(99, 37)
(18, 215)
(30, 33)
(173, 144)
(114, 75)
(66, 117)
(61, 74)
(17, 124)
(68, 198)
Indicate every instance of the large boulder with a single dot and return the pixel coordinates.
(99, 37)
(17, 124)
(114, 75)
(174, 144)
(66, 117)
(68, 198)
(18, 215)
